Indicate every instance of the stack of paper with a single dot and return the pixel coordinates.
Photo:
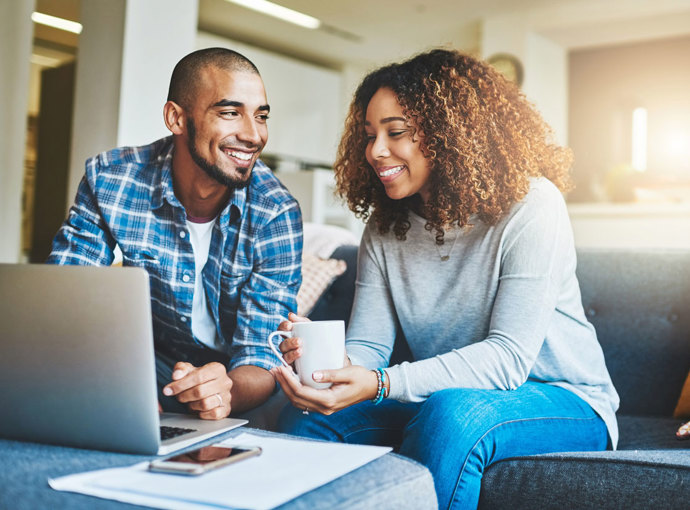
(286, 469)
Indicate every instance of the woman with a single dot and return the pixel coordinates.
(469, 253)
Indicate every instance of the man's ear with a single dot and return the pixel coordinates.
(174, 117)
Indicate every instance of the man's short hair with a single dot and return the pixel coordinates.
(186, 75)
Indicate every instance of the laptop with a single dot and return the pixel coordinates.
(77, 364)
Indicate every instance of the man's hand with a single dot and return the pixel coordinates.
(204, 389)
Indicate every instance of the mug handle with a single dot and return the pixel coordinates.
(285, 334)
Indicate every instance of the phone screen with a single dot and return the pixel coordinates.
(207, 454)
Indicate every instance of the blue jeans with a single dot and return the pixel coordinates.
(458, 433)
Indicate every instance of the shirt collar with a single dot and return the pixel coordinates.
(165, 191)
(233, 210)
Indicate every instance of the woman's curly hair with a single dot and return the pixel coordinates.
(483, 138)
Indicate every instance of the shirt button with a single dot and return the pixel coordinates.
(183, 234)
(185, 278)
(183, 318)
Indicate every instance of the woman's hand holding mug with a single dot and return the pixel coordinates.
(291, 347)
(310, 346)
(327, 381)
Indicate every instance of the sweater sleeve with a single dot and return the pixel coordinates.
(536, 245)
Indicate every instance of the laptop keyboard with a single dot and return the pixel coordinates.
(170, 432)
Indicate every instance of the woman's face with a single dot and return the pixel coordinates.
(392, 152)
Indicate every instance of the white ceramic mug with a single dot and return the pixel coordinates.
(323, 348)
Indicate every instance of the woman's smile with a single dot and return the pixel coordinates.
(388, 173)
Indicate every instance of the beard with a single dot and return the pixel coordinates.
(214, 171)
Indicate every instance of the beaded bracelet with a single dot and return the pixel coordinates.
(379, 381)
(381, 389)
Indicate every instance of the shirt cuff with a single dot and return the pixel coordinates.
(397, 381)
(261, 363)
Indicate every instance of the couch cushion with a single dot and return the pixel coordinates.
(639, 303)
(650, 433)
(652, 471)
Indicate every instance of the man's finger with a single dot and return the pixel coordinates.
(210, 402)
(195, 377)
(297, 318)
(189, 380)
(181, 369)
(217, 413)
(202, 391)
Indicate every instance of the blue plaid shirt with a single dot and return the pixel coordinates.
(253, 271)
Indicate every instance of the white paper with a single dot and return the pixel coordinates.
(286, 469)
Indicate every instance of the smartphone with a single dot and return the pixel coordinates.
(202, 460)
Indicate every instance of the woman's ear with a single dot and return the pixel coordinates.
(174, 117)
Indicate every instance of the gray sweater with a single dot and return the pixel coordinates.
(505, 307)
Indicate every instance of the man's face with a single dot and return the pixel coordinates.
(226, 124)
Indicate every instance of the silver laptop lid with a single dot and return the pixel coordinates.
(76, 357)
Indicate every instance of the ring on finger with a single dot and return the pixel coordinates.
(220, 400)
(306, 410)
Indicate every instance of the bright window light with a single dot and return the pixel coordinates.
(60, 23)
(280, 12)
(678, 144)
(639, 139)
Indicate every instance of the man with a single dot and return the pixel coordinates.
(220, 237)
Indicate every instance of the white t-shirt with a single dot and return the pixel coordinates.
(203, 325)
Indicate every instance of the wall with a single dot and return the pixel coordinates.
(16, 31)
(544, 62)
(606, 84)
(546, 82)
(126, 54)
(657, 226)
(306, 114)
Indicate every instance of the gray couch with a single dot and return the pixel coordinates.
(639, 303)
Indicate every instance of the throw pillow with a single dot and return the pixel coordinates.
(317, 276)
(322, 240)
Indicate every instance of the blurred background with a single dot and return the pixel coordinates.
(612, 78)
